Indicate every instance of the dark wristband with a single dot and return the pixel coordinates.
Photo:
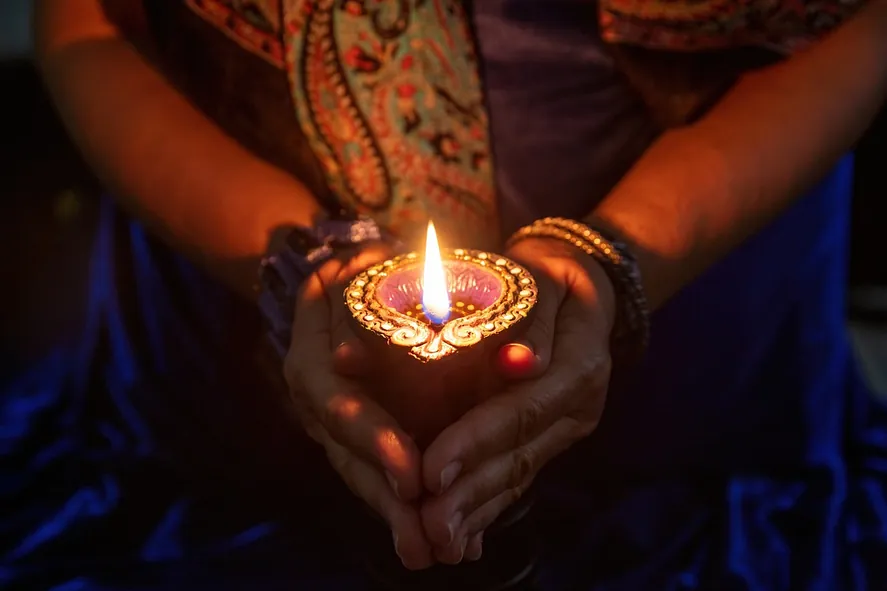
(305, 249)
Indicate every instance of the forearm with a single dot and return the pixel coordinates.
(701, 190)
(166, 163)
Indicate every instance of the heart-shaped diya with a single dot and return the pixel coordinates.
(489, 296)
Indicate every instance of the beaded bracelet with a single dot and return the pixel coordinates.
(631, 330)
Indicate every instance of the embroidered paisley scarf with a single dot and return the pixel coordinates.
(388, 94)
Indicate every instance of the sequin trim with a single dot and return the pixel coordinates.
(254, 25)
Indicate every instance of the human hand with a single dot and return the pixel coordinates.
(486, 460)
(376, 459)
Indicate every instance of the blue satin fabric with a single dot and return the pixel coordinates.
(748, 452)
(142, 460)
(151, 456)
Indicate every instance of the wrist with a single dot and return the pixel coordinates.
(303, 252)
(616, 278)
(582, 275)
(604, 291)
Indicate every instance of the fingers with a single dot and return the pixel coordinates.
(366, 482)
(474, 501)
(352, 419)
(475, 548)
(350, 357)
(352, 360)
(531, 356)
(335, 277)
(364, 444)
(501, 423)
(364, 428)
(321, 314)
(518, 361)
(480, 521)
(577, 375)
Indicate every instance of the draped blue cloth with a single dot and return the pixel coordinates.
(746, 453)
(136, 463)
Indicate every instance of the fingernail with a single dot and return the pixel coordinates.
(518, 359)
(453, 525)
(349, 359)
(340, 358)
(524, 347)
(449, 474)
(479, 545)
(462, 548)
(396, 549)
(393, 483)
(342, 352)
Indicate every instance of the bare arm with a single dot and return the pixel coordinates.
(701, 190)
(165, 162)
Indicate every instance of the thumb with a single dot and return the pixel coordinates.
(530, 356)
(350, 356)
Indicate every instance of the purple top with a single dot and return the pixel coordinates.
(565, 125)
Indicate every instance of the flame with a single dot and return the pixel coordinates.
(435, 298)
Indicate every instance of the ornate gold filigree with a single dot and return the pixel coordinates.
(516, 296)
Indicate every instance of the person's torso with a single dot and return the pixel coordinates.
(375, 106)
(746, 359)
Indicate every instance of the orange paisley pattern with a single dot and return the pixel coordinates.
(389, 97)
(388, 93)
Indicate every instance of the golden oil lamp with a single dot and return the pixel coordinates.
(434, 323)
(445, 304)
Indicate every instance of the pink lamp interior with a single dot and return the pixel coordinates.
(467, 282)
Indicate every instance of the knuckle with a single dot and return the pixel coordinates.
(603, 368)
(514, 494)
(314, 289)
(367, 256)
(591, 375)
(340, 463)
(580, 428)
(527, 418)
(522, 467)
(343, 464)
(589, 368)
(292, 370)
(329, 271)
(585, 416)
(543, 326)
(336, 413)
(312, 429)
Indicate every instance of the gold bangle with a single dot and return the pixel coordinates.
(579, 235)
